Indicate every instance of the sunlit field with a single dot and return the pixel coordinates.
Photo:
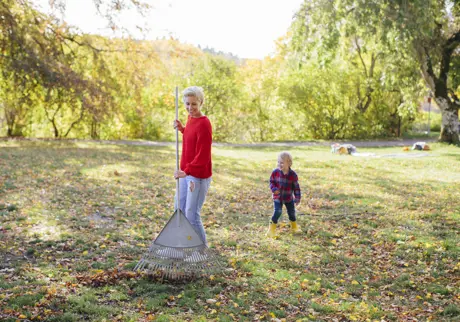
(379, 241)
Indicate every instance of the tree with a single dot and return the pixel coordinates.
(110, 9)
(261, 82)
(217, 75)
(426, 31)
(325, 97)
(17, 92)
(38, 49)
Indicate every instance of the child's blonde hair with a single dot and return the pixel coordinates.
(286, 156)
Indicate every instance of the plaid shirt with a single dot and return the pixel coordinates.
(287, 184)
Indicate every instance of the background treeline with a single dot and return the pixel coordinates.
(348, 76)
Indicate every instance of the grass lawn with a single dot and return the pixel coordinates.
(380, 238)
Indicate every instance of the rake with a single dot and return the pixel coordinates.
(179, 252)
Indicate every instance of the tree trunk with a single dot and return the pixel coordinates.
(10, 117)
(94, 129)
(438, 84)
(450, 124)
(56, 131)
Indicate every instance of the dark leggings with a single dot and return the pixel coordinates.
(290, 207)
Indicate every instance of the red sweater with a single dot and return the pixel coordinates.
(196, 148)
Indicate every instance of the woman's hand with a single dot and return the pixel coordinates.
(177, 124)
(179, 174)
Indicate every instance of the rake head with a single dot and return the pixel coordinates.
(180, 262)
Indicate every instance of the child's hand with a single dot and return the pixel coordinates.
(276, 192)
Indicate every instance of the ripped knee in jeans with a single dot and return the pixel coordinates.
(192, 186)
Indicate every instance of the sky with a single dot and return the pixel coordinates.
(246, 28)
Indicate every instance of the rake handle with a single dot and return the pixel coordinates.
(177, 149)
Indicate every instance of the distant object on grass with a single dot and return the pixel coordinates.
(343, 148)
(350, 149)
(421, 146)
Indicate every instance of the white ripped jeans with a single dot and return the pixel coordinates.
(192, 199)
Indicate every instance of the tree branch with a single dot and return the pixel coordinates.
(373, 60)
(360, 56)
(449, 47)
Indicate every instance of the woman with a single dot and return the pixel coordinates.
(195, 163)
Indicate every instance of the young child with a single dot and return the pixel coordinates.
(285, 188)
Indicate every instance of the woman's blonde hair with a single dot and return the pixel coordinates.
(286, 156)
(193, 91)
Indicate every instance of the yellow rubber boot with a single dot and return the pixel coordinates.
(295, 228)
(271, 230)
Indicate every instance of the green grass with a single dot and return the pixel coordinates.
(380, 236)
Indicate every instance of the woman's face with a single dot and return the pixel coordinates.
(192, 104)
